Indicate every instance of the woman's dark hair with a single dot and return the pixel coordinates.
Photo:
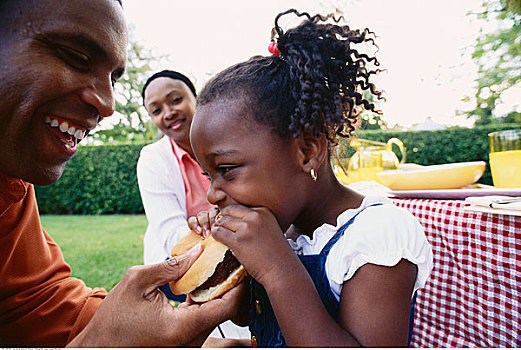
(169, 74)
(314, 85)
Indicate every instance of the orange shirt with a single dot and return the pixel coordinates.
(41, 305)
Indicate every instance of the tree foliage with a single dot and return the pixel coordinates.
(498, 54)
(370, 120)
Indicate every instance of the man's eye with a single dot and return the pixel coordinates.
(113, 81)
(74, 58)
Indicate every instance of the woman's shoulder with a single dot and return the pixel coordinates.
(157, 155)
(161, 145)
(161, 149)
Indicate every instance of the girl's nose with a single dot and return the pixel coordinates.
(215, 195)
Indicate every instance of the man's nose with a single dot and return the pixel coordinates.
(101, 96)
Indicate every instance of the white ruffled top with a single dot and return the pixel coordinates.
(380, 235)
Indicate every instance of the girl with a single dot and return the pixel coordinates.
(263, 131)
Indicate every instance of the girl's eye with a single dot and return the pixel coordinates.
(226, 170)
(177, 100)
(74, 58)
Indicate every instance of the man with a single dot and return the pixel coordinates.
(59, 61)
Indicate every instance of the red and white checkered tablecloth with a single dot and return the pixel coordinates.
(473, 296)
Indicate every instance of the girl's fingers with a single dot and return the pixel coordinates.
(204, 221)
(193, 224)
(236, 211)
(212, 213)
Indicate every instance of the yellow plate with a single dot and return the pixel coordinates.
(433, 177)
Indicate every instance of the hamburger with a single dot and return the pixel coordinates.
(215, 271)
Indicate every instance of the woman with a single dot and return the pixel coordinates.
(171, 183)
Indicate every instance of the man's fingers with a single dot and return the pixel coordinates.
(178, 265)
(153, 276)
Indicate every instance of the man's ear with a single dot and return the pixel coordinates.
(312, 151)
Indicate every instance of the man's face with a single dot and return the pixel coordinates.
(58, 63)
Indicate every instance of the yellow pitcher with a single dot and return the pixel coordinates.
(370, 158)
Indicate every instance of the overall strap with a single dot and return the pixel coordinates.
(341, 230)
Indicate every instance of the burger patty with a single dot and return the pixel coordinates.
(222, 271)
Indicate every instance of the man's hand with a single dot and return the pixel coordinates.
(136, 313)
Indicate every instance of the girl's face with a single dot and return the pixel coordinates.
(246, 162)
(171, 105)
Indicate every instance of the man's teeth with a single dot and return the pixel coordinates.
(64, 127)
(79, 134)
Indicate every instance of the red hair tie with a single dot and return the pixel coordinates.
(272, 47)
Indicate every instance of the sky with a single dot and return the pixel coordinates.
(425, 46)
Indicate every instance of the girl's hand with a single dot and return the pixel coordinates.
(242, 315)
(203, 222)
(257, 241)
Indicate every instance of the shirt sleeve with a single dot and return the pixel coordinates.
(40, 303)
(163, 195)
(92, 304)
(380, 235)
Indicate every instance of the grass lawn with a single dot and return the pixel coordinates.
(99, 249)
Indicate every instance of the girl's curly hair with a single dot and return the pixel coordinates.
(316, 84)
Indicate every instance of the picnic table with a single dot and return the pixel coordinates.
(473, 297)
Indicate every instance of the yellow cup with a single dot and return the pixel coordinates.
(505, 158)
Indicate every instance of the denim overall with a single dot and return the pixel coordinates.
(263, 325)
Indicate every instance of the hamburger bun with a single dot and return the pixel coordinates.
(213, 273)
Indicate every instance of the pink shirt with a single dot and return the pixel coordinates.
(196, 184)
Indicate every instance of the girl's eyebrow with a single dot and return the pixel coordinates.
(220, 153)
(223, 152)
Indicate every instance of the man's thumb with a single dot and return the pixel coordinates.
(177, 266)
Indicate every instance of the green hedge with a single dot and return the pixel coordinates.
(98, 180)
(102, 179)
(440, 146)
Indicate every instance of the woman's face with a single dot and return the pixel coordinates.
(246, 163)
(171, 105)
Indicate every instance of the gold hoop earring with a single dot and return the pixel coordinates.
(313, 174)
